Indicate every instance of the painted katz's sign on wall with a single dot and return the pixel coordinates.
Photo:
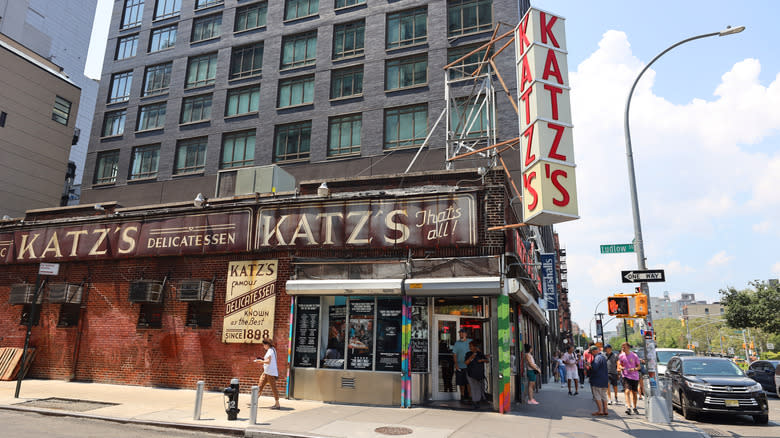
(442, 220)
(250, 299)
(549, 183)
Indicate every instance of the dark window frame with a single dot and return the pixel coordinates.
(243, 13)
(239, 57)
(149, 153)
(402, 17)
(158, 43)
(339, 122)
(200, 104)
(192, 146)
(151, 116)
(243, 162)
(125, 44)
(302, 132)
(206, 28)
(102, 163)
(337, 82)
(117, 121)
(342, 32)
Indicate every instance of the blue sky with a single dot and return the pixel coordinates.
(706, 135)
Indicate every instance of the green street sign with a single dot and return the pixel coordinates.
(617, 248)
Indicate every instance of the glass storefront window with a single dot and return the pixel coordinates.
(460, 306)
(334, 317)
(388, 335)
(360, 350)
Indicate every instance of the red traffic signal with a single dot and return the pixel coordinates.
(618, 306)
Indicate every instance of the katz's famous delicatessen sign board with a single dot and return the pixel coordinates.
(549, 183)
(250, 298)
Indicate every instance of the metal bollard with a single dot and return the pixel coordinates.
(198, 400)
(253, 405)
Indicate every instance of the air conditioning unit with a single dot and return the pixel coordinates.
(196, 290)
(146, 291)
(64, 293)
(258, 179)
(23, 294)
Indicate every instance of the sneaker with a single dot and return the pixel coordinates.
(569, 392)
(636, 411)
(609, 402)
(533, 402)
(628, 411)
(576, 393)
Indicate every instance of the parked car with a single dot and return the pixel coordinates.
(663, 355)
(777, 381)
(763, 372)
(715, 385)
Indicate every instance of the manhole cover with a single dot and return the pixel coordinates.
(715, 432)
(392, 430)
(66, 404)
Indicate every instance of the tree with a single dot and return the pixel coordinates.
(753, 308)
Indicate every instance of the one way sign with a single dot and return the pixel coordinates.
(650, 275)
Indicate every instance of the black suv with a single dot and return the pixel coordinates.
(715, 385)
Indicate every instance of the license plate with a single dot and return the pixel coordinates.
(732, 403)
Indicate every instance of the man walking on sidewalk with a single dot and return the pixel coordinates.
(570, 360)
(598, 381)
(612, 373)
(628, 363)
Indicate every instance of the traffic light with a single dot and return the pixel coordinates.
(630, 322)
(640, 305)
(618, 306)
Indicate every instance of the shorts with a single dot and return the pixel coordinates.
(613, 380)
(599, 393)
(531, 375)
(461, 378)
(630, 384)
(572, 374)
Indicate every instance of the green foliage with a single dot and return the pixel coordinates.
(758, 307)
(770, 355)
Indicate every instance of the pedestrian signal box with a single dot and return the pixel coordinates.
(640, 305)
(618, 306)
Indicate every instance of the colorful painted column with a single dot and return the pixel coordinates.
(289, 348)
(406, 352)
(504, 365)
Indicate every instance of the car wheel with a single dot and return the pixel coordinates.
(761, 419)
(684, 409)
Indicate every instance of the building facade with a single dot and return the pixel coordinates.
(324, 89)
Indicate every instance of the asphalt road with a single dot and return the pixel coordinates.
(20, 424)
(738, 426)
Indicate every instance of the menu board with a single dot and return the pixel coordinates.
(360, 349)
(418, 343)
(388, 335)
(307, 324)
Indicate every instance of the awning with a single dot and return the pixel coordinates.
(452, 286)
(515, 288)
(345, 287)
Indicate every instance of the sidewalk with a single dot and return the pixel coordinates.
(558, 414)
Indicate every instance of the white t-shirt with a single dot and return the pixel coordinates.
(270, 368)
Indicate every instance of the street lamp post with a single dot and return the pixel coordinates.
(639, 243)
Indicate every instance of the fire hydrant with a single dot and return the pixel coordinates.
(231, 394)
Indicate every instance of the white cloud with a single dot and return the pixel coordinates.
(675, 267)
(776, 269)
(720, 258)
(762, 227)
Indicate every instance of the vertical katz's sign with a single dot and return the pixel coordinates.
(549, 183)
(250, 298)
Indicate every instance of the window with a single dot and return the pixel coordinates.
(107, 167)
(246, 61)
(238, 149)
(242, 101)
(151, 116)
(299, 50)
(406, 72)
(406, 126)
(133, 13)
(162, 38)
(167, 9)
(120, 87)
(145, 161)
(27, 314)
(292, 141)
(300, 8)
(201, 70)
(296, 91)
(348, 39)
(157, 80)
(406, 28)
(114, 123)
(469, 16)
(250, 16)
(126, 47)
(347, 82)
(150, 316)
(205, 28)
(69, 315)
(347, 3)
(468, 65)
(467, 114)
(200, 4)
(190, 156)
(344, 135)
(199, 314)
(60, 113)
(195, 109)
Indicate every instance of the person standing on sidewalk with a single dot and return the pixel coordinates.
(588, 360)
(581, 368)
(599, 381)
(612, 372)
(570, 360)
(531, 371)
(270, 371)
(560, 368)
(459, 351)
(628, 364)
(475, 368)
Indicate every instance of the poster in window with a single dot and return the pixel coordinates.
(419, 336)
(388, 334)
(307, 325)
(334, 349)
(360, 350)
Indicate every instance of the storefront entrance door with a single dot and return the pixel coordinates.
(444, 387)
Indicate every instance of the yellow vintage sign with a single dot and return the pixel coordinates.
(250, 299)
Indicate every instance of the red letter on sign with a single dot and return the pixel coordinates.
(529, 134)
(523, 37)
(527, 179)
(565, 201)
(546, 27)
(554, 91)
(551, 67)
(556, 142)
(526, 75)
(525, 97)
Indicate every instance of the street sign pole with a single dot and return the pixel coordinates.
(30, 320)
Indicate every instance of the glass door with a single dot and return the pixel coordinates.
(444, 387)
